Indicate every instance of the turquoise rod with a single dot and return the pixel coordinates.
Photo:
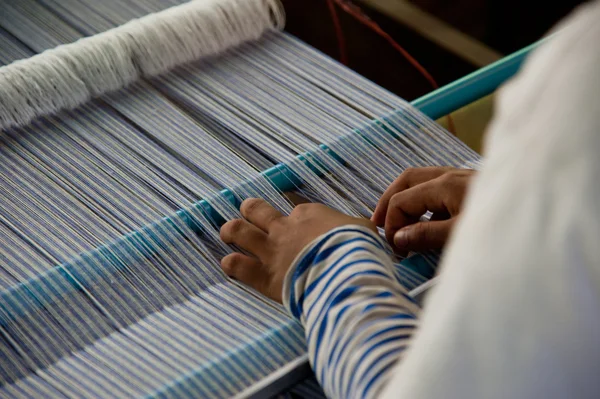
(31, 294)
(472, 87)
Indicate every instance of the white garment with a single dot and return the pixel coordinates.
(517, 311)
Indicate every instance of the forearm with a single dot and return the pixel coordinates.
(358, 318)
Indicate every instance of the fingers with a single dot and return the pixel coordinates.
(246, 236)
(406, 207)
(259, 213)
(247, 270)
(423, 236)
(409, 178)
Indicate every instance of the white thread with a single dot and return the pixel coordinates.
(70, 75)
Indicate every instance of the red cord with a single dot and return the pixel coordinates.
(339, 33)
(359, 15)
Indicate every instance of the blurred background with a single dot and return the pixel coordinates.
(449, 38)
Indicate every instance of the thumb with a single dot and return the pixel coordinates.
(423, 235)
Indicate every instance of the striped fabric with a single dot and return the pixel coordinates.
(358, 319)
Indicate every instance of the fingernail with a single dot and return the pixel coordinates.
(401, 239)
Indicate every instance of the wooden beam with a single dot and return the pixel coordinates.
(436, 30)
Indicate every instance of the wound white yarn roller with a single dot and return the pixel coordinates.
(72, 74)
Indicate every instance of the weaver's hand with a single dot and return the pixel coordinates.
(437, 189)
(275, 240)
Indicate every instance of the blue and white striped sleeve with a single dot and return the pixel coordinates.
(357, 317)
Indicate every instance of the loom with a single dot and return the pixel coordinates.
(128, 139)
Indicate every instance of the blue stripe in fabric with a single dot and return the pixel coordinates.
(384, 294)
(326, 252)
(374, 346)
(347, 342)
(377, 376)
(389, 329)
(381, 358)
(356, 274)
(361, 273)
(335, 358)
(373, 363)
(345, 293)
(324, 324)
(329, 301)
(346, 307)
(306, 262)
(381, 343)
(374, 306)
(367, 351)
(335, 271)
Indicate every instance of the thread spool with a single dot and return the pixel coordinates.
(72, 74)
